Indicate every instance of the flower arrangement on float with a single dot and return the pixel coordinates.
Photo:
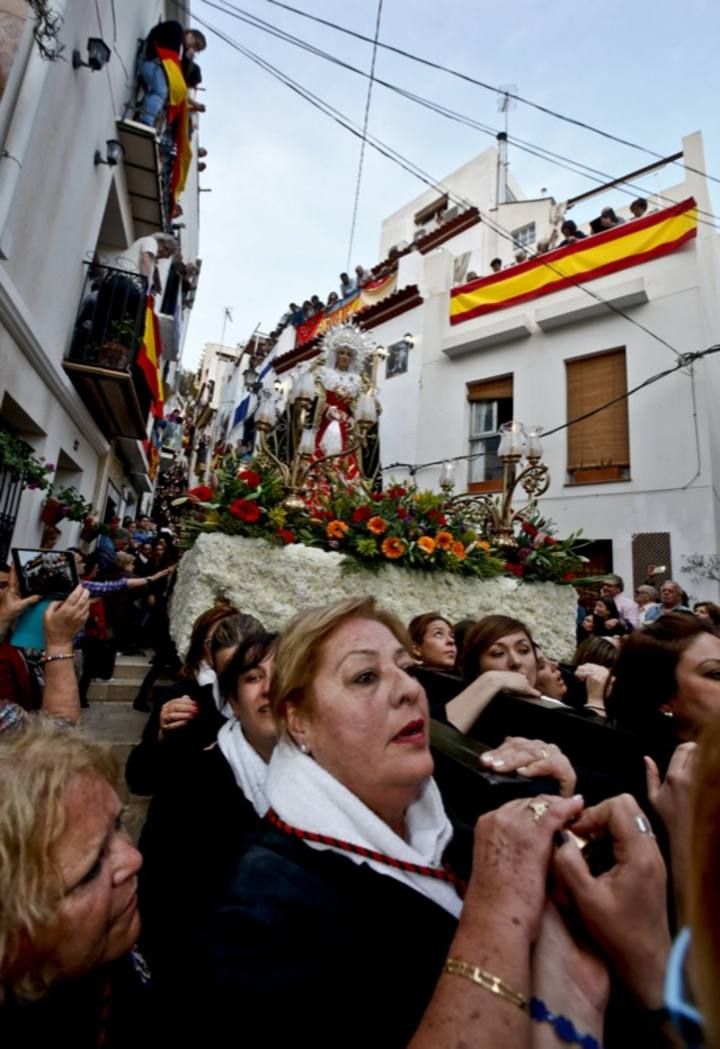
(401, 525)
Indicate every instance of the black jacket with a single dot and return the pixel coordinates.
(310, 948)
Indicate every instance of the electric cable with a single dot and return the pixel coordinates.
(685, 360)
(414, 169)
(558, 159)
(488, 87)
(364, 137)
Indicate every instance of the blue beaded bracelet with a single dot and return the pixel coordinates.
(564, 1028)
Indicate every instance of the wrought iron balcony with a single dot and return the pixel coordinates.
(102, 359)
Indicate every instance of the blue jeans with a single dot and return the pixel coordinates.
(152, 76)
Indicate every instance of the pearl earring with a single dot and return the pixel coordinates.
(304, 748)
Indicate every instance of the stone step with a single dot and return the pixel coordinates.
(120, 689)
(132, 667)
(120, 727)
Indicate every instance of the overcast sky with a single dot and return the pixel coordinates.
(276, 225)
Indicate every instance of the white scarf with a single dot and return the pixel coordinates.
(206, 676)
(248, 767)
(304, 795)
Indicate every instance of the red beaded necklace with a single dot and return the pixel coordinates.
(438, 873)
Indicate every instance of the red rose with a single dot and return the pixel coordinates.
(377, 497)
(439, 518)
(250, 477)
(397, 492)
(518, 570)
(285, 536)
(402, 512)
(201, 494)
(361, 514)
(568, 576)
(529, 529)
(245, 510)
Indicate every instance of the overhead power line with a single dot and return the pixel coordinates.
(364, 137)
(415, 170)
(577, 167)
(684, 361)
(487, 87)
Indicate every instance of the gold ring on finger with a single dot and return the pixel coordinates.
(538, 810)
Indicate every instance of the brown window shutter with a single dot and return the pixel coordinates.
(490, 389)
(601, 440)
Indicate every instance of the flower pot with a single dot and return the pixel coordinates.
(89, 532)
(52, 512)
(114, 355)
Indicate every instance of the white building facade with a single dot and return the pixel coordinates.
(639, 478)
(66, 219)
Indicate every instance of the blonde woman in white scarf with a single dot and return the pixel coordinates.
(362, 916)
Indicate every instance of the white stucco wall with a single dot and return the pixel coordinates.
(52, 201)
(674, 440)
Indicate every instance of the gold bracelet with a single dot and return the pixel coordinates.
(485, 980)
(51, 659)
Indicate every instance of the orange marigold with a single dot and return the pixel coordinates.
(337, 530)
(483, 544)
(393, 548)
(458, 550)
(377, 525)
(443, 540)
(426, 544)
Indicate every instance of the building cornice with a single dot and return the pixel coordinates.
(370, 317)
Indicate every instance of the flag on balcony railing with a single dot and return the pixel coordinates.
(343, 310)
(178, 118)
(618, 248)
(149, 358)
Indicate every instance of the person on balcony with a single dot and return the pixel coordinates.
(146, 252)
(639, 207)
(496, 265)
(571, 234)
(162, 38)
(605, 220)
(347, 286)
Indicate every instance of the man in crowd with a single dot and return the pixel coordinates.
(165, 36)
(146, 531)
(673, 598)
(613, 587)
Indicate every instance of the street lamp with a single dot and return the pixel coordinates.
(98, 55)
(520, 452)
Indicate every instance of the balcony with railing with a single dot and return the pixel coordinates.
(102, 361)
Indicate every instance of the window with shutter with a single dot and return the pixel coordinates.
(598, 448)
(491, 405)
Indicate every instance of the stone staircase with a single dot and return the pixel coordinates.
(110, 719)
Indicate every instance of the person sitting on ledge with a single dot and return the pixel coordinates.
(164, 37)
(496, 265)
(639, 207)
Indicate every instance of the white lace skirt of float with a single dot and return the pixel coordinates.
(331, 441)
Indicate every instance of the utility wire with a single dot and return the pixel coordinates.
(364, 136)
(489, 87)
(415, 170)
(558, 159)
(684, 361)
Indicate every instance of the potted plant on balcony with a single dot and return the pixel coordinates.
(118, 350)
(19, 460)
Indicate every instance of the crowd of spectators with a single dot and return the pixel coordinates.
(569, 233)
(314, 864)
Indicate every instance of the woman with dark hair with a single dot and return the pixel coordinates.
(197, 823)
(433, 640)
(708, 611)
(189, 714)
(604, 621)
(498, 656)
(667, 679)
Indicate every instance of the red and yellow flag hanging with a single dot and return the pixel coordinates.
(148, 359)
(370, 293)
(178, 118)
(617, 249)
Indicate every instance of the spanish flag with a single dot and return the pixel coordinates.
(148, 359)
(178, 117)
(616, 249)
